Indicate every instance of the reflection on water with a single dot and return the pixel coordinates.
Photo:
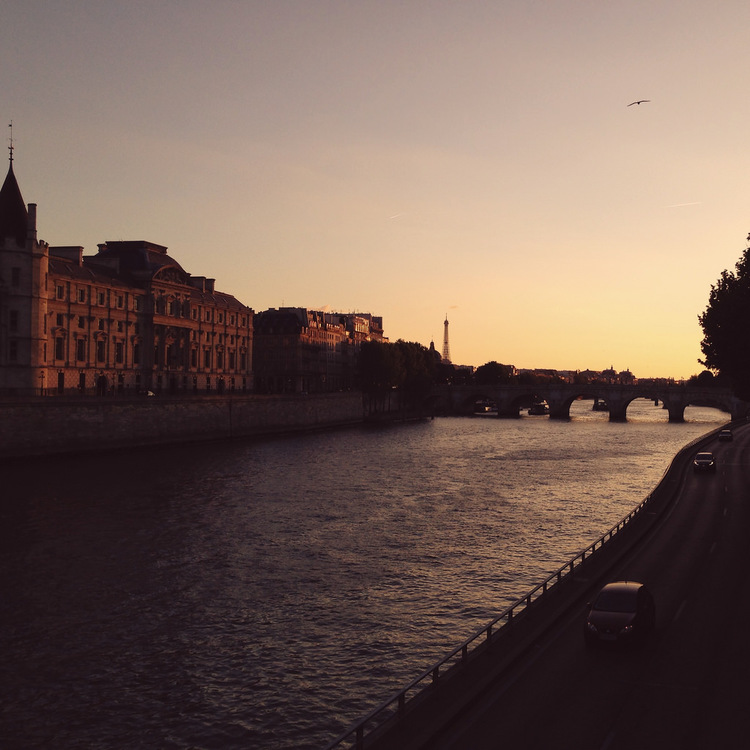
(266, 594)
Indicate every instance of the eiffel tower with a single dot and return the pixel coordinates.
(446, 348)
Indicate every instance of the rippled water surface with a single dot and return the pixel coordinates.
(266, 594)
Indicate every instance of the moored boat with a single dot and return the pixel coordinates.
(539, 408)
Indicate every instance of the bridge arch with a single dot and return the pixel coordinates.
(511, 398)
(618, 400)
(508, 403)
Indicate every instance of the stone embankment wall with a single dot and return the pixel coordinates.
(50, 426)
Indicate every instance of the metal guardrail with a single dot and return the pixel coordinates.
(396, 704)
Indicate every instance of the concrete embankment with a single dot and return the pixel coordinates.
(52, 426)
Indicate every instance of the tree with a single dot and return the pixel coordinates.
(403, 364)
(417, 367)
(726, 328)
(705, 379)
(396, 375)
(492, 373)
(379, 367)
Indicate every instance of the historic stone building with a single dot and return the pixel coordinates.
(128, 319)
(296, 350)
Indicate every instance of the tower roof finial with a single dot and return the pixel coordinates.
(13, 215)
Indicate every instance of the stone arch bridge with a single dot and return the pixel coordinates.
(510, 399)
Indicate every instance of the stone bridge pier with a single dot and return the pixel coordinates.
(675, 404)
(508, 405)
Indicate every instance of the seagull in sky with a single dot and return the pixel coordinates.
(640, 101)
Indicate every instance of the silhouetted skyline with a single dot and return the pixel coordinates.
(406, 159)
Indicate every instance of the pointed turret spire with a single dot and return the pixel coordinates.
(13, 215)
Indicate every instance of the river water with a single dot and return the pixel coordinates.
(265, 594)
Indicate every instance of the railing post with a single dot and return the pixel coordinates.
(360, 737)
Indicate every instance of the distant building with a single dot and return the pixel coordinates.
(128, 319)
(626, 378)
(297, 350)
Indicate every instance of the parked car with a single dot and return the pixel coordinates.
(622, 612)
(704, 461)
(725, 435)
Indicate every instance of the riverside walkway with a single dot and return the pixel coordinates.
(530, 682)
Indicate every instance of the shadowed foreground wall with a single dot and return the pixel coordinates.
(60, 426)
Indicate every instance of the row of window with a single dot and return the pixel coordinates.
(120, 327)
(121, 382)
(99, 297)
(171, 355)
(162, 305)
(101, 324)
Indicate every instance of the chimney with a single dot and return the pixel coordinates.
(31, 224)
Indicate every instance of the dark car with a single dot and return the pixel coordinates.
(725, 435)
(704, 461)
(622, 612)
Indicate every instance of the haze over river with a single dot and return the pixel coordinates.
(265, 594)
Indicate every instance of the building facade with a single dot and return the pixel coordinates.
(128, 319)
(296, 350)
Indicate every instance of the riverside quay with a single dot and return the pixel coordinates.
(130, 319)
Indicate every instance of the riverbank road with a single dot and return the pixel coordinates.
(688, 685)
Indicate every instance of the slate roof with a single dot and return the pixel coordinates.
(13, 215)
(138, 256)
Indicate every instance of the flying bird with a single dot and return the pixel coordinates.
(640, 101)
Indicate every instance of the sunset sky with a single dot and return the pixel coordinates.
(411, 159)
